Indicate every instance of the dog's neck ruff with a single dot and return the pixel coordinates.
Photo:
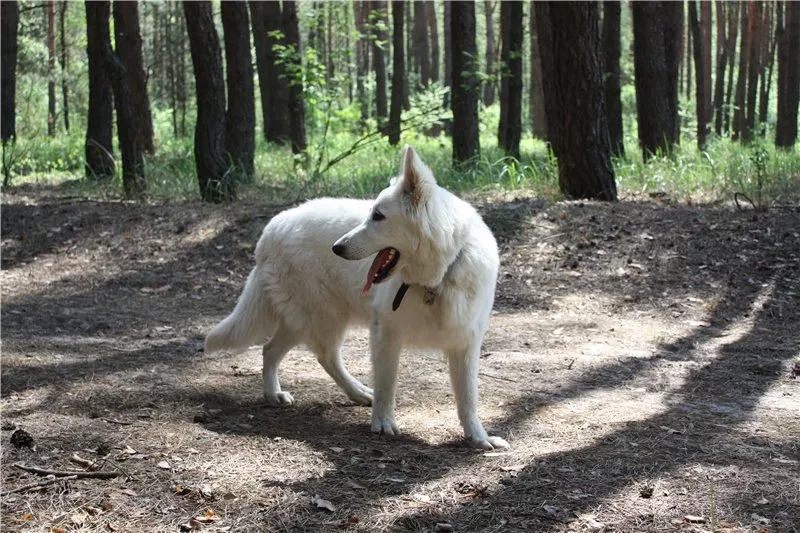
(430, 292)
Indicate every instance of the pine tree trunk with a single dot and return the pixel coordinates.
(733, 33)
(705, 25)
(362, 56)
(464, 83)
(700, 75)
(297, 110)
(789, 80)
(433, 32)
(657, 28)
(378, 60)
(538, 114)
(421, 48)
(273, 86)
(9, 27)
(64, 60)
(99, 148)
(612, 50)
(569, 39)
(128, 39)
(51, 68)
(739, 124)
(488, 86)
(240, 118)
(448, 62)
(217, 184)
(511, 99)
(688, 62)
(722, 60)
(754, 18)
(398, 71)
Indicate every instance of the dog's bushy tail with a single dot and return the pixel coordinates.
(249, 323)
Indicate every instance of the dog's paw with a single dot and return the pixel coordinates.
(362, 396)
(279, 399)
(384, 426)
(490, 443)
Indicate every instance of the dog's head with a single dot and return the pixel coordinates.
(394, 226)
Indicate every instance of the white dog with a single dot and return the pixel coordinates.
(431, 284)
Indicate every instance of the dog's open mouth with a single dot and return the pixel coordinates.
(382, 267)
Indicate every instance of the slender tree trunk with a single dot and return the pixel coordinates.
(733, 32)
(348, 59)
(769, 61)
(128, 39)
(538, 114)
(700, 75)
(448, 62)
(297, 110)
(329, 64)
(217, 184)
(362, 56)
(99, 148)
(378, 60)
(398, 71)
(569, 34)
(788, 78)
(612, 50)
(464, 82)
(739, 124)
(421, 45)
(122, 82)
(411, 60)
(433, 32)
(64, 60)
(51, 71)
(657, 28)
(722, 60)
(488, 86)
(180, 72)
(272, 79)
(705, 25)
(171, 70)
(240, 118)
(754, 29)
(9, 27)
(511, 102)
(688, 62)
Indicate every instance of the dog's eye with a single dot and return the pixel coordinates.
(377, 216)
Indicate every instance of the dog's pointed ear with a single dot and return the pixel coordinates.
(414, 175)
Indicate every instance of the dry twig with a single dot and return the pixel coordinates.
(42, 483)
(66, 473)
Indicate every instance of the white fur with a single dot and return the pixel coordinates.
(301, 292)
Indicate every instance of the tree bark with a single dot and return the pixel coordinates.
(421, 45)
(217, 184)
(569, 34)
(488, 86)
(788, 78)
(657, 28)
(9, 19)
(433, 33)
(733, 32)
(705, 25)
(362, 56)
(538, 113)
(464, 83)
(739, 124)
(378, 60)
(511, 99)
(272, 81)
(297, 110)
(722, 60)
(51, 68)
(240, 117)
(398, 71)
(133, 178)
(612, 50)
(128, 39)
(64, 60)
(99, 148)
(754, 29)
(700, 75)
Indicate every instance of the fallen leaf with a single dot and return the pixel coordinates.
(444, 527)
(336, 449)
(512, 468)
(763, 520)
(58, 530)
(355, 485)
(26, 516)
(210, 515)
(164, 464)
(323, 504)
(112, 527)
(694, 519)
(206, 491)
(77, 519)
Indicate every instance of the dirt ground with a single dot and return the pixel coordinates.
(642, 362)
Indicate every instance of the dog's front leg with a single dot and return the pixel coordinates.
(385, 347)
(463, 366)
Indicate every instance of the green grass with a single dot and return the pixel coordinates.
(763, 173)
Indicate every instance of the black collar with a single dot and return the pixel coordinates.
(430, 292)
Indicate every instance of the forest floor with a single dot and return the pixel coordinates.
(642, 361)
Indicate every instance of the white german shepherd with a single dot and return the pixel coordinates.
(430, 284)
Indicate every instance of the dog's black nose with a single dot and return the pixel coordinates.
(338, 249)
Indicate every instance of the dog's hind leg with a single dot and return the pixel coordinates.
(274, 350)
(463, 365)
(329, 356)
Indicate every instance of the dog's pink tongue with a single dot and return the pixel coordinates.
(376, 265)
